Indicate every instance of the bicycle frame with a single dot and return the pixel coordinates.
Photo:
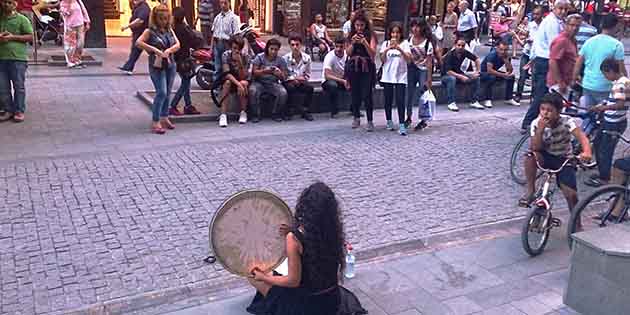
(546, 192)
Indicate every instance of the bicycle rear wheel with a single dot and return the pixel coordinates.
(595, 211)
(517, 161)
(535, 232)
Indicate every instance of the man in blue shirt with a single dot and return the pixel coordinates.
(138, 22)
(595, 86)
(490, 74)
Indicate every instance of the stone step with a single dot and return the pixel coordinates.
(202, 100)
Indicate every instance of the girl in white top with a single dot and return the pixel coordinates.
(394, 54)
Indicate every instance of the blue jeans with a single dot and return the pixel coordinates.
(539, 89)
(523, 74)
(415, 76)
(451, 93)
(163, 82)
(134, 54)
(218, 49)
(183, 91)
(13, 73)
(605, 147)
(589, 99)
(489, 81)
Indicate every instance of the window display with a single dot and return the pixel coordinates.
(337, 12)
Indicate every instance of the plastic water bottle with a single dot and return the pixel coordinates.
(349, 272)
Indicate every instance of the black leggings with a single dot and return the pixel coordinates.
(395, 92)
(361, 92)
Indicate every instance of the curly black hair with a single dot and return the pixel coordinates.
(317, 211)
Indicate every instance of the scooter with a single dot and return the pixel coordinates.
(204, 57)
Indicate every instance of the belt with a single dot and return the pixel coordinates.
(220, 40)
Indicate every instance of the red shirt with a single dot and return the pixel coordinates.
(24, 5)
(563, 51)
(611, 8)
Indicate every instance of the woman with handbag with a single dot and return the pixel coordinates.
(419, 70)
(76, 22)
(184, 64)
(394, 54)
(160, 42)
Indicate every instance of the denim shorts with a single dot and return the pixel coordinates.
(566, 176)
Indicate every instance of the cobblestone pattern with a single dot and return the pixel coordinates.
(79, 231)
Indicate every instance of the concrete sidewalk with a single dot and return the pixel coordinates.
(485, 277)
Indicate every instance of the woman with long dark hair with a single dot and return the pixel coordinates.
(315, 250)
(420, 68)
(360, 68)
(395, 54)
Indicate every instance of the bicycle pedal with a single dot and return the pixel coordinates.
(556, 222)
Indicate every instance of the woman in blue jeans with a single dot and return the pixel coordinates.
(160, 42)
(419, 70)
(184, 64)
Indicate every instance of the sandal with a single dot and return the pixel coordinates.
(168, 124)
(526, 201)
(158, 130)
(18, 117)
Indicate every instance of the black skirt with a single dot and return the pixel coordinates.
(298, 301)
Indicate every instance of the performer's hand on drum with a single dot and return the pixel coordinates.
(258, 274)
(284, 230)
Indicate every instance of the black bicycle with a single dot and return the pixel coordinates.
(522, 146)
(608, 204)
(540, 220)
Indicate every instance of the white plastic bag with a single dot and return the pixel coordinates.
(427, 106)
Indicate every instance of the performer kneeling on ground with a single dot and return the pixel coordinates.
(315, 250)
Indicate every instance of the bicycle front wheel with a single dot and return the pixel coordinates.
(517, 161)
(535, 232)
(596, 210)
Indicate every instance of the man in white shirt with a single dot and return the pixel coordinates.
(334, 82)
(547, 31)
(225, 24)
(299, 66)
(347, 26)
(467, 22)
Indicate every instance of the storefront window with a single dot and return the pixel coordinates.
(376, 10)
(337, 12)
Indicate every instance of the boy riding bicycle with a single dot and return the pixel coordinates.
(614, 109)
(616, 103)
(550, 144)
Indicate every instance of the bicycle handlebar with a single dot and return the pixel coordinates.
(616, 134)
(570, 158)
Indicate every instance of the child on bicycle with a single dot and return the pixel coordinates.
(614, 109)
(550, 145)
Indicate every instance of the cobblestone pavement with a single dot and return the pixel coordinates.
(94, 209)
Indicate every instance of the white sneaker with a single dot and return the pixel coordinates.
(453, 107)
(512, 102)
(476, 105)
(223, 120)
(243, 118)
(487, 103)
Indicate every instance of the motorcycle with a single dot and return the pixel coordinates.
(204, 57)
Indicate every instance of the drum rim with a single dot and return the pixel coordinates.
(221, 209)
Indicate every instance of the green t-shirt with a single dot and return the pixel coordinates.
(16, 24)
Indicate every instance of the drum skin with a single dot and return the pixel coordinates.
(244, 232)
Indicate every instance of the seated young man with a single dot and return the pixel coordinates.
(550, 144)
(490, 74)
(299, 65)
(268, 71)
(453, 75)
(334, 82)
(614, 109)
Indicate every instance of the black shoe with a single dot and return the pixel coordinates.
(408, 122)
(307, 116)
(255, 119)
(277, 119)
(334, 114)
(287, 117)
(421, 125)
